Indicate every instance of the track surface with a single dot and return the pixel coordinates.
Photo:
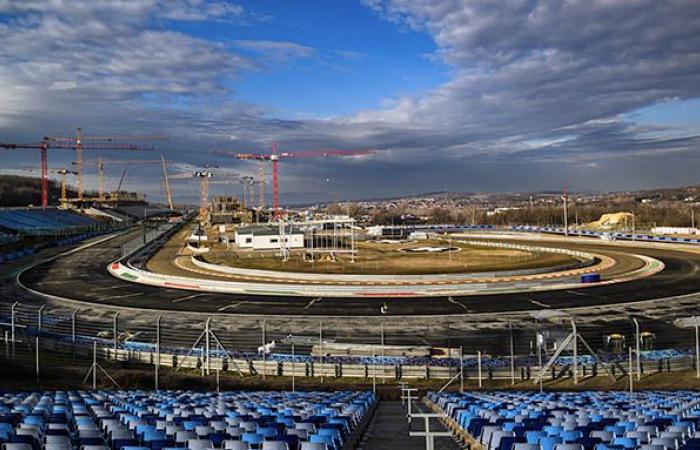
(83, 276)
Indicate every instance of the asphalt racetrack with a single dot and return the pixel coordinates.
(82, 276)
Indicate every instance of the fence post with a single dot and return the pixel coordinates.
(697, 348)
(208, 345)
(320, 347)
(14, 306)
(40, 321)
(478, 363)
(575, 344)
(383, 355)
(374, 371)
(293, 370)
(72, 329)
(461, 369)
(638, 341)
(630, 371)
(264, 353)
(512, 354)
(157, 350)
(37, 358)
(94, 365)
(115, 331)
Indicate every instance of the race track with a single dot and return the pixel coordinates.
(82, 276)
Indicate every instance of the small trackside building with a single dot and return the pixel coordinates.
(263, 237)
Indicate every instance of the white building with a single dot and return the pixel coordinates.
(262, 237)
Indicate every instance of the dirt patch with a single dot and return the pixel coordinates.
(22, 377)
(389, 259)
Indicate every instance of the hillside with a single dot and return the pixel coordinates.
(22, 191)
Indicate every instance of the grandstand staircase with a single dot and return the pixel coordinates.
(388, 430)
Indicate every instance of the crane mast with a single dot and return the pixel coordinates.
(166, 183)
(274, 157)
(60, 143)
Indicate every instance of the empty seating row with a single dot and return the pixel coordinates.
(142, 420)
(35, 220)
(28, 251)
(655, 420)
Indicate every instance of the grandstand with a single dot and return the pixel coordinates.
(654, 420)
(42, 222)
(143, 420)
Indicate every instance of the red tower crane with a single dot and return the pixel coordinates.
(52, 143)
(275, 157)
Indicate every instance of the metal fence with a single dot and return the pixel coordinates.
(45, 337)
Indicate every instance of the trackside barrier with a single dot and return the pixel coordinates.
(136, 345)
(612, 236)
(585, 260)
(128, 271)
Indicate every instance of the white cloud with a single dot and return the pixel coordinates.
(532, 81)
(275, 51)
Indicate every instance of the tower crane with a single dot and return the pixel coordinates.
(261, 183)
(64, 194)
(248, 183)
(100, 164)
(54, 143)
(203, 175)
(274, 157)
(166, 183)
(79, 142)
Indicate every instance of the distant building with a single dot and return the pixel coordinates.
(263, 237)
(225, 210)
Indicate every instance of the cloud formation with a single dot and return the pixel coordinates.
(539, 95)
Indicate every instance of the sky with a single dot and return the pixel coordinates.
(458, 95)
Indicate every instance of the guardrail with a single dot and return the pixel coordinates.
(585, 260)
(149, 237)
(444, 228)
(602, 234)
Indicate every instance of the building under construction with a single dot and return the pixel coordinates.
(225, 210)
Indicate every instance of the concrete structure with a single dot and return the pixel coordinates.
(674, 230)
(225, 210)
(266, 237)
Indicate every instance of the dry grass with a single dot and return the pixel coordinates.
(387, 259)
(20, 377)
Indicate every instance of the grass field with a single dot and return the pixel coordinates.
(387, 259)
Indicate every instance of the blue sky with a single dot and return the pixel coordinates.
(356, 60)
(463, 95)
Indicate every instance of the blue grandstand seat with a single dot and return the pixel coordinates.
(40, 221)
(655, 420)
(125, 419)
